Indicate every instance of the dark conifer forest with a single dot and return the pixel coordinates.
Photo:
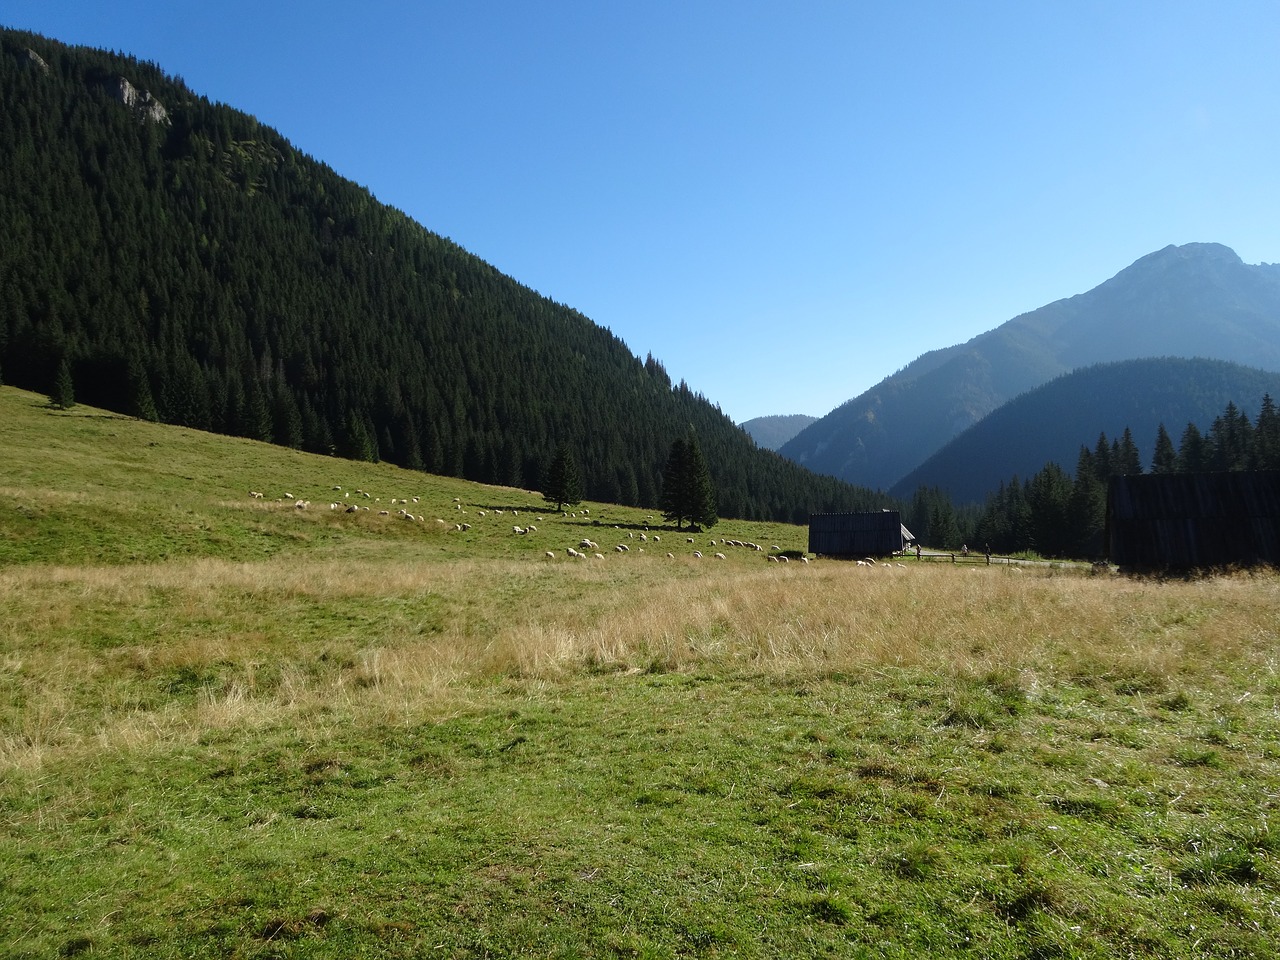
(185, 263)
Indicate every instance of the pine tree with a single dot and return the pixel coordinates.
(63, 394)
(562, 485)
(1125, 460)
(1165, 458)
(687, 493)
(1266, 436)
(1193, 451)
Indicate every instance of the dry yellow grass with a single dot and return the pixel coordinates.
(102, 656)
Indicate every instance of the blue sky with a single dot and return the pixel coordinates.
(783, 203)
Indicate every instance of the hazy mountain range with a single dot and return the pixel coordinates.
(773, 432)
(1197, 300)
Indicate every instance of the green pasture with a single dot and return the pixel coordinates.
(230, 727)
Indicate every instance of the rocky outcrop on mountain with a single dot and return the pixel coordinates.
(141, 101)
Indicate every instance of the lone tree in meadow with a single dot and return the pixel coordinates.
(63, 394)
(562, 486)
(687, 493)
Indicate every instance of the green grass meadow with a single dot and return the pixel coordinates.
(230, 727)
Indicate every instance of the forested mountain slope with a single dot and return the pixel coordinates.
(1052, 422)
(1196, 300)
(183, 262)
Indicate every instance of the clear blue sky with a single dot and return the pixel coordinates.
(782, 202)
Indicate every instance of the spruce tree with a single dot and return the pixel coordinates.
(1193, 451)
(1266, 436)
(562, 486)
(1165, 458)
(63, 394)
(687, 491)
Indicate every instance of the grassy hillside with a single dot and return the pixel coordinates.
(229, 727)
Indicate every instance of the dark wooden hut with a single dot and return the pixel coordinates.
(878, 534)
(1194, 520)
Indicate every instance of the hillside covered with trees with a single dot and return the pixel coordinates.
(172, 258)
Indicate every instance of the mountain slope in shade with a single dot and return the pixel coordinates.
(1052, 421)
(1194, 300)
(773, 431)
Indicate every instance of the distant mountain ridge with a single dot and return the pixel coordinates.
(773, 431)
(1052, 422)
(1195, 300)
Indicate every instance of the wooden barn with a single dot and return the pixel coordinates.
(858, 534)
(1194, 520)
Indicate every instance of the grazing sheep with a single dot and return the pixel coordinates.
(720, 556)
(698, 554)
(466, 527)
(621, 548)
(384, 513)
(772, 559)
(255, 494)
(588, 544)
(671, 556)
(644, 538)
(688, 539)
(353, 509)
(517, 530)
(531, 528)
(302, 504)
(573, 553)
(599, 556)
(804, 559)
(549, 555)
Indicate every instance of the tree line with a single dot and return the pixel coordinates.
(1058, 514)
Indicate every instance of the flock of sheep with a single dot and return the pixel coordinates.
(353, 502)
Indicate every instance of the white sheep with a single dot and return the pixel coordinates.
(599, 556)
(255, 494)
(698, 554)
(549, 555)
(517, 530)
(720, 556)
